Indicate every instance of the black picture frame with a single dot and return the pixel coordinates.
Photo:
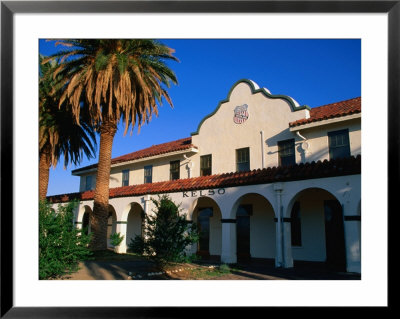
(9, 8)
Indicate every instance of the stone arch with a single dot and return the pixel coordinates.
(237, 201)
(317, 227)
(206, 213)
(255, 226)
(329, 193)
(82, 210)
(83, 219)
(127, 209)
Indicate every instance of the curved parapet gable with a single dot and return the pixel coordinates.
(255, 89)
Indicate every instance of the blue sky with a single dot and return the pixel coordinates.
(313, 72)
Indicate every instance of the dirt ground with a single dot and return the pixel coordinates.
(255, 270)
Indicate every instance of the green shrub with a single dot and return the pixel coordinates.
(167, 233)
(137, 245)
(61, 245)
(116, 239)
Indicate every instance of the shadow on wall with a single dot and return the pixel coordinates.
(281, 136)
(114, 179)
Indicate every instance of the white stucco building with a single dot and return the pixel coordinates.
(263, 176)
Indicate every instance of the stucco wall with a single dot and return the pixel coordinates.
(220, 136)
(82, 182)
(161, 171)
(317, 138)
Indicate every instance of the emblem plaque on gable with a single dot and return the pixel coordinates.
(240, 114)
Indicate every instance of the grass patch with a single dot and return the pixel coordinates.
(207, 272)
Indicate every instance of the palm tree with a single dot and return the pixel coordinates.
(115, 80)
(59, 133)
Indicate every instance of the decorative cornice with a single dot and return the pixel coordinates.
(254, 90)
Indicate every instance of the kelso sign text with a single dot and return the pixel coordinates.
(204, 192)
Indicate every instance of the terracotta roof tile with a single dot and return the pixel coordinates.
(174, 146)
(329, 111)
(320, 169)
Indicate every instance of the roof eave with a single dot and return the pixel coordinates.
(322, 122)
(143, 159)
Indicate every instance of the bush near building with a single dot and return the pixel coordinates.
(166, 234)
(61, 245)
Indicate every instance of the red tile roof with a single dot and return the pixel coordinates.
(337, 167)
(329, 111)
(174, 146)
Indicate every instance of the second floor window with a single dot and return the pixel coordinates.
(148, 174)
(339, 144)
(243, 159)
(286, 153)
(205, 165)
(88, 182)
(125, 177)
(174, 170)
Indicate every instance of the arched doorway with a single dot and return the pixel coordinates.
(317, 228)
(243, 231)
(86, 220)
(134, 222)
(207, 216)
(255, 227)
(334, 235)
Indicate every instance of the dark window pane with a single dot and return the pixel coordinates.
(148, 174)
(243, 159)
(88, 183)
(205, 165)
(203, 221)
(125, 177)
(286, 153)
(174, 170)
(339, 144)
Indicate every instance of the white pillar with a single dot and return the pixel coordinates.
(278, 187)
(121, 228)
(228, 254)
(146, 205)
(352, 237)
(287, 244)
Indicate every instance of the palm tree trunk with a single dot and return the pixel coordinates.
(44, 172)
(99, 218)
